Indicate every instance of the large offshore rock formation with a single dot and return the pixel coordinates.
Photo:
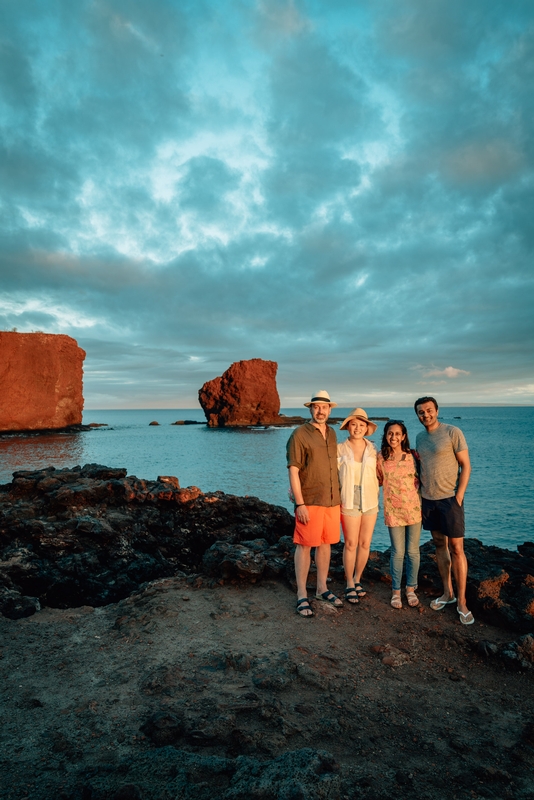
(40, 381)
(245, 394)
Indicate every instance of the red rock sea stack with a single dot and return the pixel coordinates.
(40, 381)
(245, 394)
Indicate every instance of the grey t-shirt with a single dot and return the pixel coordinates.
(439, 467)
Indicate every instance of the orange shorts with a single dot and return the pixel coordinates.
(323, 527)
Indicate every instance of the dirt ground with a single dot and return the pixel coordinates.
(181, 692)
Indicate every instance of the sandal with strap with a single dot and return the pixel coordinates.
(413, 600)
(396, 601)
(466, 618)
(359, 591)
(439, 604)
(351, 595)
(303, 606)
(329, 597)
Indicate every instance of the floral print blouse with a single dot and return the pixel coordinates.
(400, 485)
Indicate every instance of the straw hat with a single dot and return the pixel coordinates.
(321, 397)
(359, 413)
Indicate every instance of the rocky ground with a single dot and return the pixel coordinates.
(203, 682)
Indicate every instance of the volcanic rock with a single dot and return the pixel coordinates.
(40, 381)
(245, 394)
(92, 535)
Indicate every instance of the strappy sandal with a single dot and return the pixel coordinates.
(303, 606)
(396, 601)
(359, 591)
(413, 600)
(329, 597)
(351, 595)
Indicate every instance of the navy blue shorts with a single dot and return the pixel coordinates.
(445, 516)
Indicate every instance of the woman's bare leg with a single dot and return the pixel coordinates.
(351, 534)
(364, 545)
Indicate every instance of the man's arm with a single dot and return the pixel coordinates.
(465, 473)
(294, 482)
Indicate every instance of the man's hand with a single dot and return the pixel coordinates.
(303, 515)
(465, 471)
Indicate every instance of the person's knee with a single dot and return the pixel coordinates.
(440, 541)
(302, 552)
(456, 547)
(351, 545)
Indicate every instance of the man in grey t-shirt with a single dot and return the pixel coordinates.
(445, 472)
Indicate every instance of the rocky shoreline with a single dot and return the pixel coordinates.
(92, 535)
(151, 650)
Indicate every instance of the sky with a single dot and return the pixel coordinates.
(345, 188)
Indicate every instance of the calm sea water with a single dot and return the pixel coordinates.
(499, 501)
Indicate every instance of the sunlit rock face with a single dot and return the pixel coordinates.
(40, 381)
(245, 394)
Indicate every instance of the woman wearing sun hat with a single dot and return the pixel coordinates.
(356, 459)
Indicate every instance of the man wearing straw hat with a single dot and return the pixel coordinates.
(313, 476)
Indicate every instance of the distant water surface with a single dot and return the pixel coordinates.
(499, 501)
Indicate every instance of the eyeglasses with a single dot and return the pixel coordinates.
(395, 422)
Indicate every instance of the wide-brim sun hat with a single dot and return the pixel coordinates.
(359, 413)
(321, 397)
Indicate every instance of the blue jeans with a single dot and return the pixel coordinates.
(405, 538)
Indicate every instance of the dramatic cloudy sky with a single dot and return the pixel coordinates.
(343, 186)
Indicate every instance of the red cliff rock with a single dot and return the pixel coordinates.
(245, 394)
(40, 381)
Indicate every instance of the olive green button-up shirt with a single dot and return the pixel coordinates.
(316, 460)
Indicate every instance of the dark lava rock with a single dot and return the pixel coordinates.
(93, 535)
(234, 561)
(163, 728)
(128, 792)
(16, 606)
(500, 583)
(304, 774)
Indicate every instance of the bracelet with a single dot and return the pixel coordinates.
(298, 505)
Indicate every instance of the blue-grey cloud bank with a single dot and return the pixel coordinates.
(343, 187)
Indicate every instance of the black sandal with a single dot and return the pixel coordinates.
(351, 595)
(359, 590)
(302, 606)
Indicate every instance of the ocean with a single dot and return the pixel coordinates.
(499, 499)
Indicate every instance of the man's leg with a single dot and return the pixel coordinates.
(459, 570)
(302, 568)
(322, 562)
(443, 559)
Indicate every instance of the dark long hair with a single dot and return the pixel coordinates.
(405, 445)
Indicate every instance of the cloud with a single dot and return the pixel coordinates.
(343, 188)
(448, 372)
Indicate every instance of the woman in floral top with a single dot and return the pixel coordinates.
(397, 474)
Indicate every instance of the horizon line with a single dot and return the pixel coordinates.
(339, 405)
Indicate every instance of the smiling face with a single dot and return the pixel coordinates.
(320, 412)
(428, 415)
(357, 428)
(395, 437)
